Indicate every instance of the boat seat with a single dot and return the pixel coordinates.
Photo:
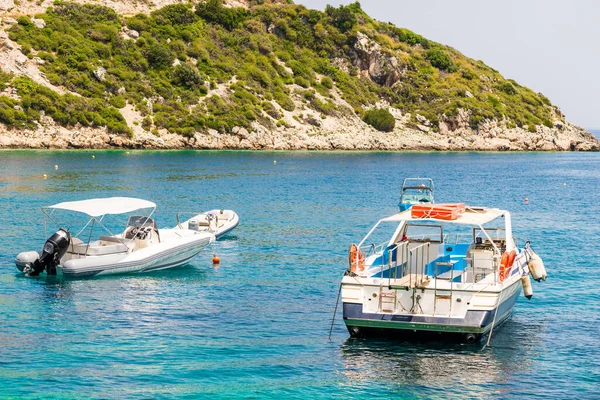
(105, 245)
(111, 239)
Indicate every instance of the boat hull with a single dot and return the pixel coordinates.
(474, 324)
(228, 221)
(141, 261)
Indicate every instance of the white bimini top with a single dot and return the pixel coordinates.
(471, 216)
(109, 205)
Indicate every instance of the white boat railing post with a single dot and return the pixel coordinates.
(451, 288)
(435, 288)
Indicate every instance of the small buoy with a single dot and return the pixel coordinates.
(526, 200)
(274, 162)
(56, 167)
(93, 156)
(126, 152)
(216, 259)
(45, 176)
(565, 184)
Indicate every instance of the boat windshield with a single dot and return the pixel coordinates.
(140, 221)
(416, 195)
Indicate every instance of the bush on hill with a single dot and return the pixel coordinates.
(380, 119)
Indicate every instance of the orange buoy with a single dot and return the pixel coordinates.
(526, 200)
(216, 259)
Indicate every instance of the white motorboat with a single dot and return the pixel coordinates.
(415, 191)
(217, 222)
(427, 280)
(141, 247)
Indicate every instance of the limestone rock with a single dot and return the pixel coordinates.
(20, 58)
(423, 128)
(38, 22)
(380, 67)
(9, 20)
(6, 5)
(100, 73)
(133, 33)
(422, 120)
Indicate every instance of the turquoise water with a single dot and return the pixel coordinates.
(257, 326)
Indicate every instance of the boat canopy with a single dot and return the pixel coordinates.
(109, 205)
(471, 216)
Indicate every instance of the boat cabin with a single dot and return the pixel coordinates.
(467, 249)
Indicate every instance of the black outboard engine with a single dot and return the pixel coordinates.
(55, 247)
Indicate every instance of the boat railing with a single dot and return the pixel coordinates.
(410, 265)
(418, 260)
(371, 249)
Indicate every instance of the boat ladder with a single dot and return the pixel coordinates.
(445, 296)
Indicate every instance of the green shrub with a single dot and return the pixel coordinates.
(327, 82)
(213, 11)
(380, 119)
(439, 59)
(301, 82)
(343, 17)
(118, 101)
(284, 101)
(507, 88)
(186, 75)
(270, 109)
(24, 21)
(174, 14)
(159, 56)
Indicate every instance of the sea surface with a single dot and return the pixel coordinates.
(257, 326)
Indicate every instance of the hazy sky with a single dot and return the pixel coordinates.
(551, 46)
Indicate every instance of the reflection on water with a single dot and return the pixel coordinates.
(410, 364)
(441, 365)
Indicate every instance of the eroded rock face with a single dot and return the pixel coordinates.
(380, 67)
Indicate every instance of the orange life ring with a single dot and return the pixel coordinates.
(356, 258)
(506, 263)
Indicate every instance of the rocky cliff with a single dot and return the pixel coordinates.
(248, 75)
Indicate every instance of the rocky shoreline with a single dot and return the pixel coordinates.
(496, 139)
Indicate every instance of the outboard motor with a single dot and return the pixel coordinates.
(54, 249)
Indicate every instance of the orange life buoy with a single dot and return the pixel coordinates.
(356, 258)
(506, 263)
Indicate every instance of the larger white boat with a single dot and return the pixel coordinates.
(141, 247)
(447, 269)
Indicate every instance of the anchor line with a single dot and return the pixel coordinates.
(335, 310)
(494, 320)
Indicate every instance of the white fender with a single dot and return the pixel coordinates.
(527, 289)
(536, 267)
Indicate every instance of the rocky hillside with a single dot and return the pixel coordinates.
(252, 74)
